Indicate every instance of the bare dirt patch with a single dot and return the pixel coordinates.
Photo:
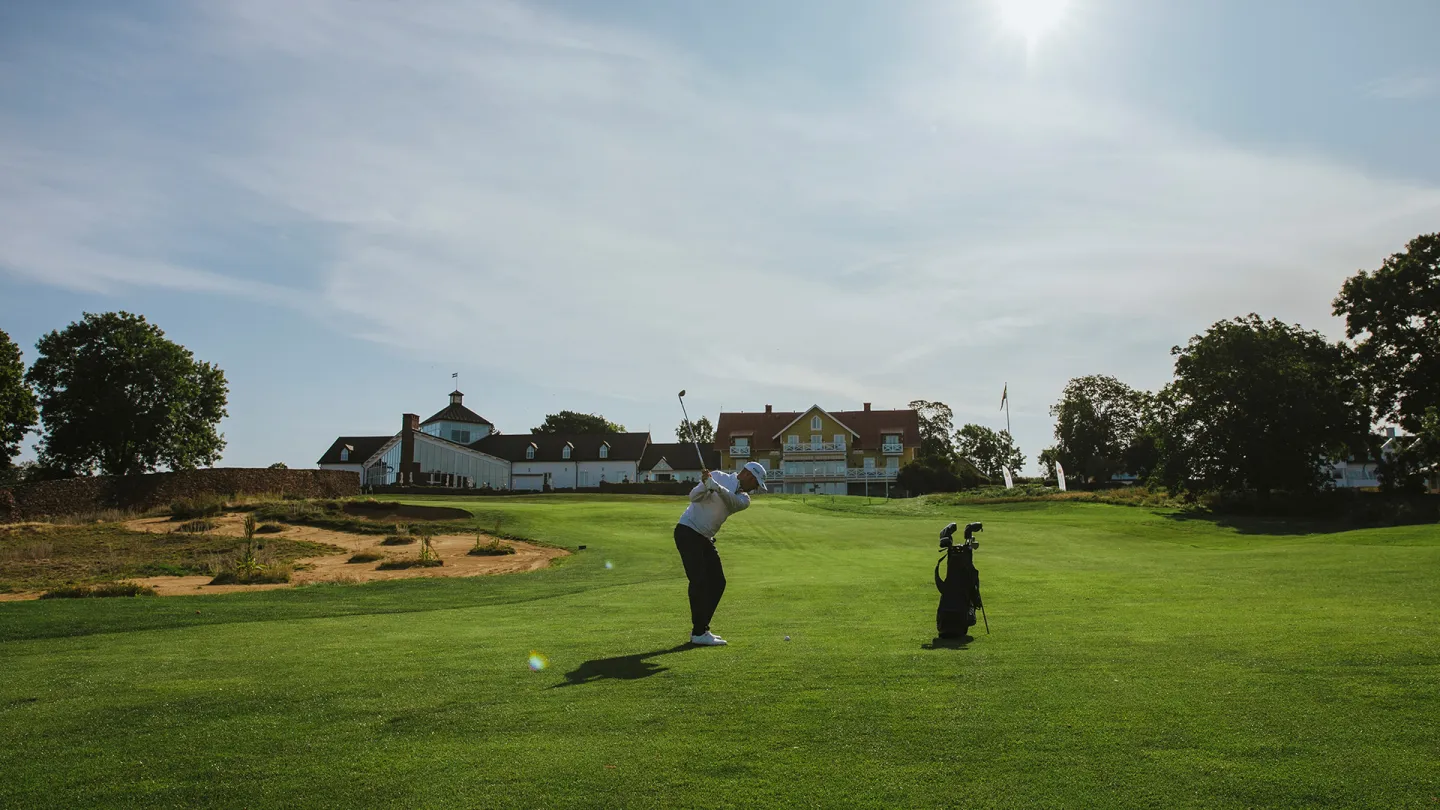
(453, 549)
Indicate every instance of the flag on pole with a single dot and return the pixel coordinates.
(1060, 475)
(1004, 395)
(1009, 482)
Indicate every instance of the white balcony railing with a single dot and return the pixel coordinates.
(816, 447)
(739, 451)
(850, 473)
(892, 448)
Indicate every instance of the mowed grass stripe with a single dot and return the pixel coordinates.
(1136, 660)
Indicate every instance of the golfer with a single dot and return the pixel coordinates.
(718, 496)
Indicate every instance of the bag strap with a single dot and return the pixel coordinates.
(939, 583)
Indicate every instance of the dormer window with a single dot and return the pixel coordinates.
(345, 453)
(565, 451)
(604, 451)
(815, 423)
(530, 451)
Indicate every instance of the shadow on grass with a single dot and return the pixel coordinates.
(948, 643)
(619, 668)
(1255, 525)
(1330, 512)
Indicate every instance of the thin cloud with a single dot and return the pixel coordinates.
(1405, 87)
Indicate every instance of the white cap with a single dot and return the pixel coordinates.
(758, 470)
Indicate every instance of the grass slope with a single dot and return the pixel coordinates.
(1137, 660)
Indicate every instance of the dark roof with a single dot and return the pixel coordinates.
(361, 448)
(872, 426)
(623, 446)
(456, 412)
(680, 456)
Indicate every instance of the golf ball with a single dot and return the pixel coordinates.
(538, 661)
(609, 565)
(787, 638)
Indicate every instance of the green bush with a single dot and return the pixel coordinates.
(270, 528)
(490, 549)
(196, 526)
(99, 591)
(400, 565)
(265, 575)
(397, 540)
(366, 556)
(198, 507)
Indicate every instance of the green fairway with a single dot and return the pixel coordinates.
(1136, 659)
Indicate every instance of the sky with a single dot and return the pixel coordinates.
(590, 206)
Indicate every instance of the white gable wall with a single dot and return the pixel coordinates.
(563, 473)
(358, 469)
(446, 430)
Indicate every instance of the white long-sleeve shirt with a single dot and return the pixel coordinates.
(712, 501)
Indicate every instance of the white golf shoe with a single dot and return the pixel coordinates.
(708, 640)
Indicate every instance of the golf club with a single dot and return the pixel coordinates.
(691, 427)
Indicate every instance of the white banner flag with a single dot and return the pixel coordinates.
(1060, 475)
(1009, 482)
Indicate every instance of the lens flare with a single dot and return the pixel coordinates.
(538, 661)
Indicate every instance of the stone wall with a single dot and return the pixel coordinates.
(140, 492)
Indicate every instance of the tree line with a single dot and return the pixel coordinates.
(1254, 406)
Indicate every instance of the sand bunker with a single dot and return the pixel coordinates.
(451, 548)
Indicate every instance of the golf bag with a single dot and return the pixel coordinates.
(960, 589)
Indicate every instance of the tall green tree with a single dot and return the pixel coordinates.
(988, 450)
(937, 424)
(576, 422)
(17, 403)
(1395, 313)
(1096, 421)
(117, 396)
(704, 431)
(1145, 455)
(1262, 406)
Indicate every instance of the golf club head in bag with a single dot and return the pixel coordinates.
(960, 589)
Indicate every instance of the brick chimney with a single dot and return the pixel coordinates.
(867, 406)
(769, 409)
(409, 426)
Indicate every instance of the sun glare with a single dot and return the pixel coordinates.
(1031, 19)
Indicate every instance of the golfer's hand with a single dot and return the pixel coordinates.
(704, 475)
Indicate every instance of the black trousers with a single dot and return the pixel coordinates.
(707, 578)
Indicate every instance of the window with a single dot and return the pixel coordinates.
(565, 451)
(460, 436)
(344, 454)
(742, 441)
(604, 451)
(869, 463)
(839, 438)
(815, 439)
(892, 463)
(793, 439)
(814, 423)
(530, 451)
